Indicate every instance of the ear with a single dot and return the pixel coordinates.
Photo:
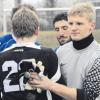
(37, 31)
(93, 25)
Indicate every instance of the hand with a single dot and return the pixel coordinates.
(40, 82)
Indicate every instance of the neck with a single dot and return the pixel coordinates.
(83, 43)
(26, 40)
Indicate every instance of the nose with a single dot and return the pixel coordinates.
(74, 27)
(61, 32)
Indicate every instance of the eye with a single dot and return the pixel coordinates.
(65, 27)
(79, 23)
(57, 29)
(70, 23)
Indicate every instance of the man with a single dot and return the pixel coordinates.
(7, 40)
(18, 61)
(79, 59)
(60, 24)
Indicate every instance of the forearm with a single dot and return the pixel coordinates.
(59, 89)
(65, 92)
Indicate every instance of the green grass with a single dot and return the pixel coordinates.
(48, 38)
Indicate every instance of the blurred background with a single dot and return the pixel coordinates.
(47, 9)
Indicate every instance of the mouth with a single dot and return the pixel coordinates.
(63, 40)
(75, 34)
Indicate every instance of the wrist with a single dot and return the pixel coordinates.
(51, 86)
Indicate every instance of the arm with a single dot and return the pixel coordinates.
(59, 89)
(63, 91)
(91, 84)
(53, 71)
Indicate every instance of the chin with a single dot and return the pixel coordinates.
(76, 39)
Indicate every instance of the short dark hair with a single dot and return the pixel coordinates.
(61, 16)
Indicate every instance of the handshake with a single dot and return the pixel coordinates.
(26, 67)
(30, 66)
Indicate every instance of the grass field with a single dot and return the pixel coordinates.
(48, 38)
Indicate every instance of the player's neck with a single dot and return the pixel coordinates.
(83, 43)
(26, 40)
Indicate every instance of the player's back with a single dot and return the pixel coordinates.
(15, 62)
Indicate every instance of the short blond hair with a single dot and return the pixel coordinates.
(83, 9)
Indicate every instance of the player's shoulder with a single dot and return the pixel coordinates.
(97, 47)
(48, 51)
(5, 38)
(65, 47)
(6, 51)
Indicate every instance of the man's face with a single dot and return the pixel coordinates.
(62, 31)
(80, 27)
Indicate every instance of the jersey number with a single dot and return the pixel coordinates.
(14, 69)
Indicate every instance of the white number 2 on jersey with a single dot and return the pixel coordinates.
(14, 69)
